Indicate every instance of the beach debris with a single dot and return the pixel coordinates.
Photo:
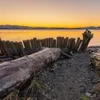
(65, 55)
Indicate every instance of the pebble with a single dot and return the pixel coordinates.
(88, 94)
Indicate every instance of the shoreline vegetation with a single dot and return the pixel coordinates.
(15, 27)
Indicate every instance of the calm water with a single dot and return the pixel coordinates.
(19, 35)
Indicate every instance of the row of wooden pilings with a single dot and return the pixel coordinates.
(12, 49)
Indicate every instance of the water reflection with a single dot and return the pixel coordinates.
(19, 35)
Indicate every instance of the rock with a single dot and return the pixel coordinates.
(97, 87)
(94, 49)
(88, 94)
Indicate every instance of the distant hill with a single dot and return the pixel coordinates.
(9, 27)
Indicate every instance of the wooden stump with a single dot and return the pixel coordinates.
(87, 36)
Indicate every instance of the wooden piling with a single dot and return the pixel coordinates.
(66, 42)
(5, 49)
(87, 36)
(10, 48)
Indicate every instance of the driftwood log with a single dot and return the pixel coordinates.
(95, 58)
(15, 72)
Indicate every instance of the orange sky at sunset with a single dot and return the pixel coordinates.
(50, 13)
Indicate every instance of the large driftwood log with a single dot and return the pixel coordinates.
(95, 58)
(14, 72)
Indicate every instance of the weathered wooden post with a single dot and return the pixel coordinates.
(87, 36)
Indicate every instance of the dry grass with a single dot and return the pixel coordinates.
(12, 96)
(32, 90)
(84, 97)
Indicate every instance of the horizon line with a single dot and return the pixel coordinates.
(27, 26)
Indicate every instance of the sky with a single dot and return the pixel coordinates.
(50, 13)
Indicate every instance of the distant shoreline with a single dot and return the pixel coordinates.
(17, 27)
(49, 29)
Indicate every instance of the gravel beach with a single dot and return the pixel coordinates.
(69, 79)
